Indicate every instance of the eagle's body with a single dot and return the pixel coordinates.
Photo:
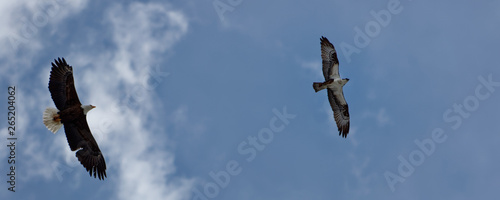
(73, 115)
(334, 86)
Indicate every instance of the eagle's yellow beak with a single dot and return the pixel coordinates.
(93, 106)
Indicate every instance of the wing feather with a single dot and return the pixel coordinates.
(62, 86)
(80, 138)
(329, 59)
(340, 111)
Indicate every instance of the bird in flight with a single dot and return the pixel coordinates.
(73, 115)
(334, 86)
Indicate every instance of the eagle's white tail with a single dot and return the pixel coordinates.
(49, 120)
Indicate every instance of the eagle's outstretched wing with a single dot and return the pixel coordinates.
(340, 111)
(80, 138)
(330, 60)
(62, 86)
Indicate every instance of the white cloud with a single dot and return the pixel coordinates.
(315, 67)
(134, 146)
(24, 20)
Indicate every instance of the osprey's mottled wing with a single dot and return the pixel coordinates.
(330, 60)
(340, 111)
(62, 86)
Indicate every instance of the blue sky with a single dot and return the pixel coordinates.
(186, 92)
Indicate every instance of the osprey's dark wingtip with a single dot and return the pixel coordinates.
(322, 39)
(343, 133)
(325, 42)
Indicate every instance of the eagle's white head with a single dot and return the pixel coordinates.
(87, 108)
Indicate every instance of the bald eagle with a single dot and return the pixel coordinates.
(72, 114)
(334, 85)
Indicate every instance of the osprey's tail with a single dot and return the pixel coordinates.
(319, 86)
(51, 119)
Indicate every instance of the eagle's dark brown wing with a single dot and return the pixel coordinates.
(340, 111)
(62, 86)
(330, 60)
(90, 156)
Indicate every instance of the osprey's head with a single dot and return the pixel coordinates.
(344, 81)
(87, 108)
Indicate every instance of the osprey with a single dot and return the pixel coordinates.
(72, 114)
(334, 84)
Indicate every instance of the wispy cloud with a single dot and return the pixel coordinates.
(315, 67)
(28, 19)
(381, 117)
(141, 34)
